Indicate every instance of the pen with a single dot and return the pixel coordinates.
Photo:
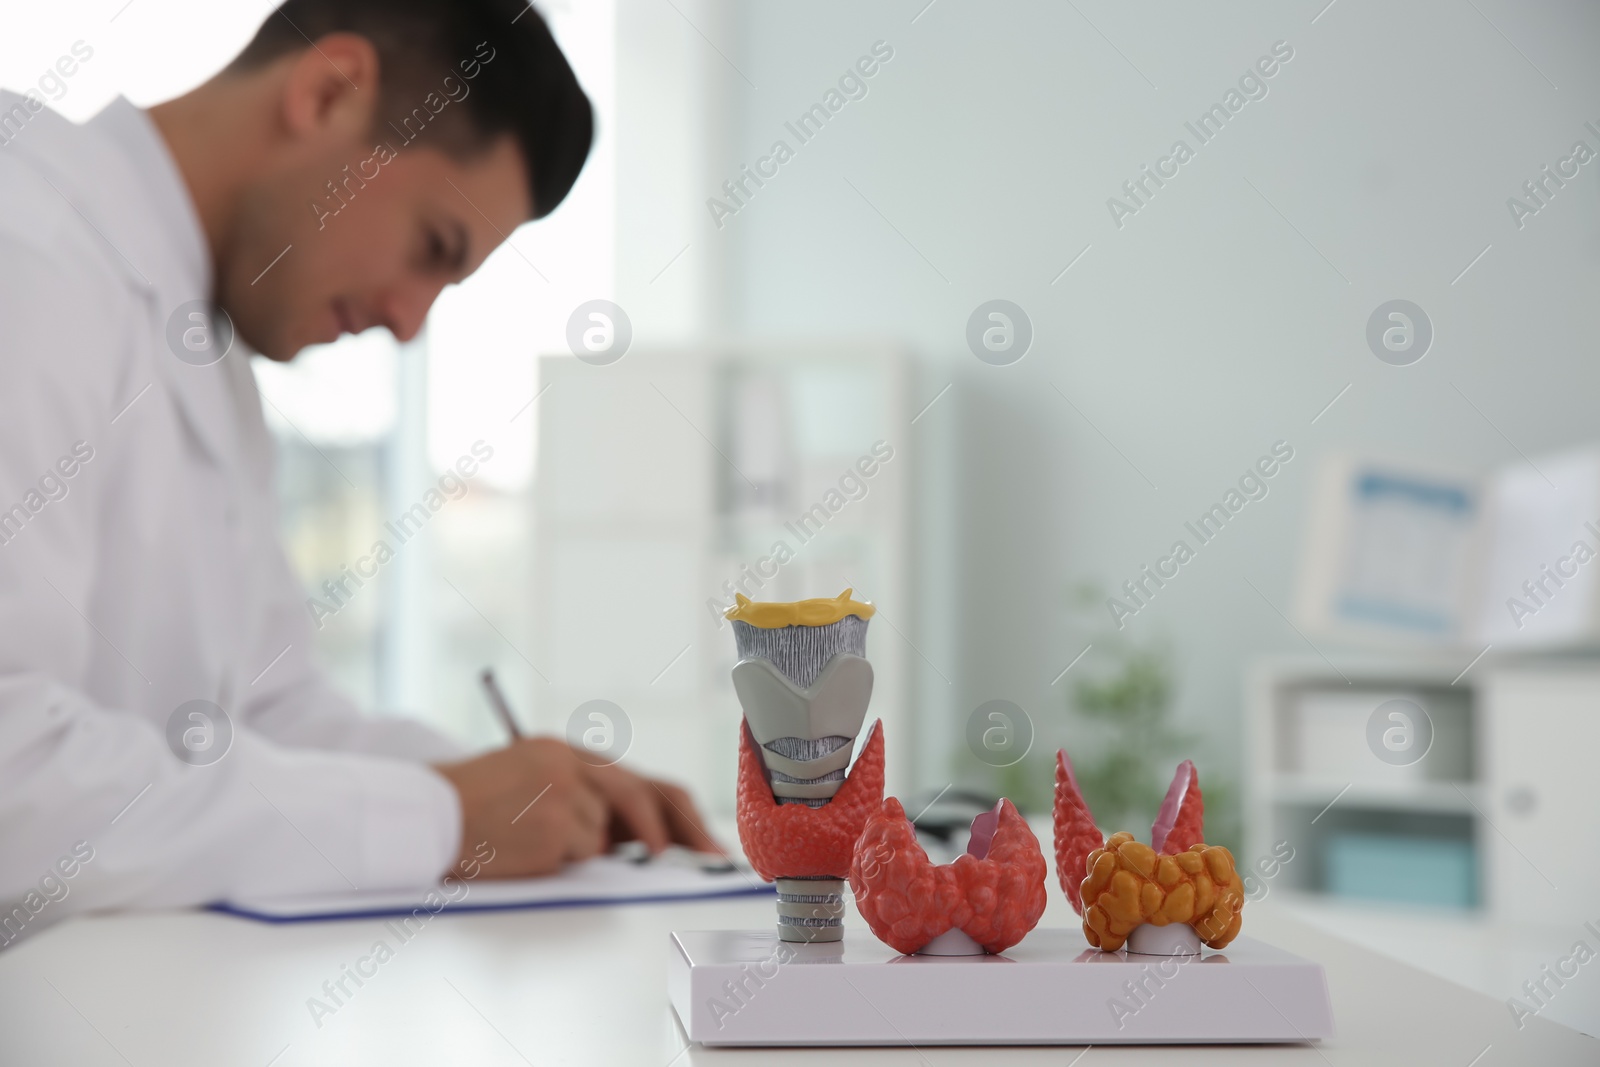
(636, 853)
(497, 701)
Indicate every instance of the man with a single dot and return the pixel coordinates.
(359, 156)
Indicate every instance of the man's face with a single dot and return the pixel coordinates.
(375, 249)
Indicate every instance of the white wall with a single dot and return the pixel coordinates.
(1203, 330)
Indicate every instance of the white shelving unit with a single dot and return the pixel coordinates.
(1510, 774)
(1524, 797)
(1445, 797)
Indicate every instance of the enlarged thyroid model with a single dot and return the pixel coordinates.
(986, 901)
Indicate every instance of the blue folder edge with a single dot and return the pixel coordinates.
(225, 908)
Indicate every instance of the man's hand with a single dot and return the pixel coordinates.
(539, 806)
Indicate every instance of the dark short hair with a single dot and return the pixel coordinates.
(527, 89)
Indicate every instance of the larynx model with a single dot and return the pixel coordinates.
(1160, 899)
(804, 683)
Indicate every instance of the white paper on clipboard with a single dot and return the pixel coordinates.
(600, 881)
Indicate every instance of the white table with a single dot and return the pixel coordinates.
(587, 986)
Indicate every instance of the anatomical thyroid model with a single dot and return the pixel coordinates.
(986, 901)
(1163, 898)
(804, 682)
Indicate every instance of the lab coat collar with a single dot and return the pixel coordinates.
(135, 133)
(118, 174)
(213, 399)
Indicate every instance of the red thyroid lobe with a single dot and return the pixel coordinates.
(995, 893)
(1075, 832)
(793, 840)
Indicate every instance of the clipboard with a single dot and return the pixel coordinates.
(599, 882)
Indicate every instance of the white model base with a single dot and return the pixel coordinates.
(1173, 939)
(738, 987)
(951, 943)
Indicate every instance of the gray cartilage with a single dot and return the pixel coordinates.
(802, 652)
(803, 770)
(810, 909)
(775, 754)
(807, 749)
(805, 734)
(834, 705)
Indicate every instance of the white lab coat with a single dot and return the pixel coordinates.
(157, 578)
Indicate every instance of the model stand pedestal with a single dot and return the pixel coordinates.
(736, 987)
